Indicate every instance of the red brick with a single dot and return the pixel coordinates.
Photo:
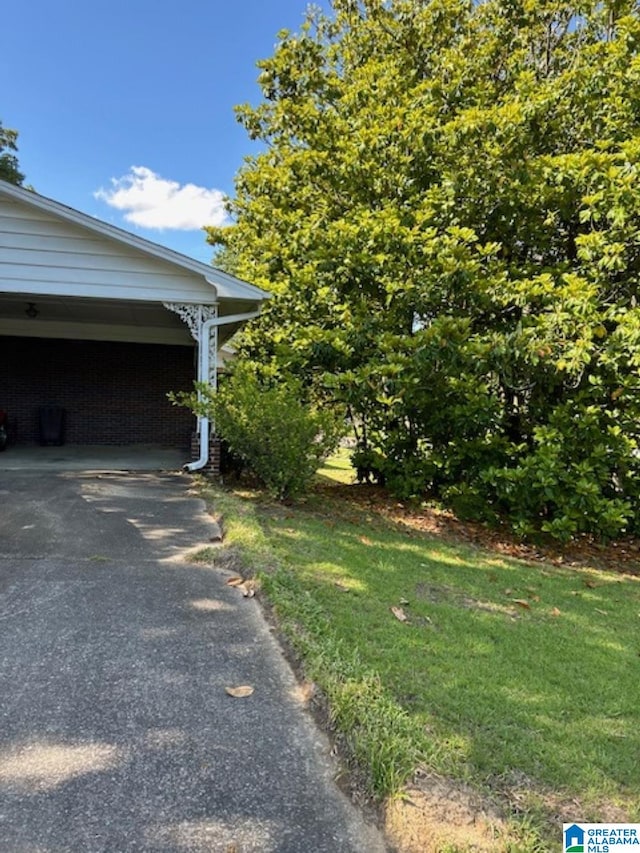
(113, 393)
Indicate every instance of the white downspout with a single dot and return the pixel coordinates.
(203, 376)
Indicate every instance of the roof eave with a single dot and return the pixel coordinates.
(225, 285)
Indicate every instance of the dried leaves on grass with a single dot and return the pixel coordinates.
(399, 613)
(622, 556)
(246, 586)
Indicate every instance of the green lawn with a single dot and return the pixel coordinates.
(513, 677)
(337, 468)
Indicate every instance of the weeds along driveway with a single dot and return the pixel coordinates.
(116, 733)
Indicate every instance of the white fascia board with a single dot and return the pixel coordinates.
(226, 286)
(234, 288)
(104, 291)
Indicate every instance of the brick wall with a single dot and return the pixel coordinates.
(213, 466)
(113, 393)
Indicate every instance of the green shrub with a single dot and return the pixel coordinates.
(581, 475)
(267, 424)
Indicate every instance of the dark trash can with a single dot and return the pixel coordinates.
(51, 423)
(4, 430)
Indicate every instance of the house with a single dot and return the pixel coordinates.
(574, 839)
(103, 324)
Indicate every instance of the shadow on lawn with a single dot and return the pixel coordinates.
(509, 670)
(621, 556)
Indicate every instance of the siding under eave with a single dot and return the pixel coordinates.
(41, 254)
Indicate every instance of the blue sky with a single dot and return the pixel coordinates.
(98, 89)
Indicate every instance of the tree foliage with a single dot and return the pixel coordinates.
(447, 209)
(9, 167)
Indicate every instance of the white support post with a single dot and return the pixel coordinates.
(203, 322)
(207, 374)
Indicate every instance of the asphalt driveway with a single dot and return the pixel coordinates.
(116, 733)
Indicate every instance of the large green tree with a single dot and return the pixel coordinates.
(9, 167)
(447, 209)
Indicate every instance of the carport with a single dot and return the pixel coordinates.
(95, 458)
(103, 324)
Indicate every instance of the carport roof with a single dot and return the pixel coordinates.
(226, 286)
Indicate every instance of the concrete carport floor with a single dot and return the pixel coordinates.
(77, 457)
(116, 733)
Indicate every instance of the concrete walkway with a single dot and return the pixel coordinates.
(116, 733)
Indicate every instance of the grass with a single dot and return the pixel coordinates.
(338, 469)
(517, 679)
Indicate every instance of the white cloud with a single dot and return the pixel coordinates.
(151, 201)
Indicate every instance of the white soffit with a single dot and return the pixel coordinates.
(90, 319)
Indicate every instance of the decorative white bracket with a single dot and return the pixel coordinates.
(195, 316)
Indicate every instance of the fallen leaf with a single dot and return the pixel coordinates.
(601, 612)
(521, 602)
(235, 581)
(399, 613)
(239, 692)
(590, 584)
(508, 592)
(555, 612)
(365, 540)
(341, 586)
(248, 589)
(404, 601)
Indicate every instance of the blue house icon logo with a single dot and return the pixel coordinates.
(574, 839)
